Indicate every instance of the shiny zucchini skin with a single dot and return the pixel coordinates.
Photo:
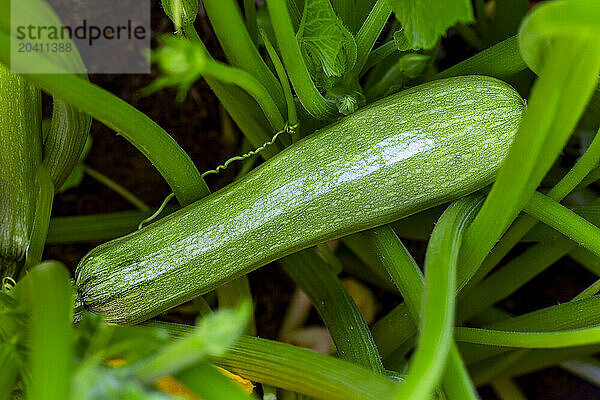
(20, 156)
(406, 153)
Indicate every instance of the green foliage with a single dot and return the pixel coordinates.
(326, 58)
(328, 47)
(213, 335)
(425, 21)
(181, 12)
(93, 360)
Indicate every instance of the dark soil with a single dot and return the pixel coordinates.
(195, 125)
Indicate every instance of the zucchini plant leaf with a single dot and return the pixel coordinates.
(401, 41)
(424, 21)
(329, 49)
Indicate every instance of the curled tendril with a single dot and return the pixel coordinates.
(286, 129)
(8, 284)
(157, 212)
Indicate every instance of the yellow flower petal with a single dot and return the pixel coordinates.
(172, 386)
(243, 383)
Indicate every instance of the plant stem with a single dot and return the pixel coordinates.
(344, 321)
(529, 340)
(501, 61)
(9, 365)
(96, 227)
(552, 114)
(523, 224)
(565, 221)
(248, 83)
(292, 118)
(294, 63)
(399, 264)
(368, 34)
(512, 276)
(235, 292)
(50, 298)
(228, 25)
(377, 55)
(250, 17)
(565, 316)
(296, 369)
(126, 194)
(41, 220)
(437, 320)
(241, 107)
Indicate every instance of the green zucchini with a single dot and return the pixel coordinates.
(406, 153)
(20, 156)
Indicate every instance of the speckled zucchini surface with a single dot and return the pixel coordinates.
(20, 156)
(408, 152)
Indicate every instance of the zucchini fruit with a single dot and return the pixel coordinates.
(401, 155)
(20, 157)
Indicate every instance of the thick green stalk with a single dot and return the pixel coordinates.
(512, 276)
(295, 369)
(457, 383)
(63, 146)
(399, 264)
(501, 61)
(234, 293)
(240, 106)
(156, 144)
(229, 26)
(529, 340)
(365, 252)
(20, 156)
(582, 168)
(558, 99)
(437, 321)
(235, 76)
(368, 34)
(41, 219)
(292, 118)
(250, 18)
(48, 293)
(344, 321)
(393, 330)
(378, 55)
(9, 365)
(566, 316)
(303, 84)
(550, 118)
(407, 276)
(565, 221)
(536, 360)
